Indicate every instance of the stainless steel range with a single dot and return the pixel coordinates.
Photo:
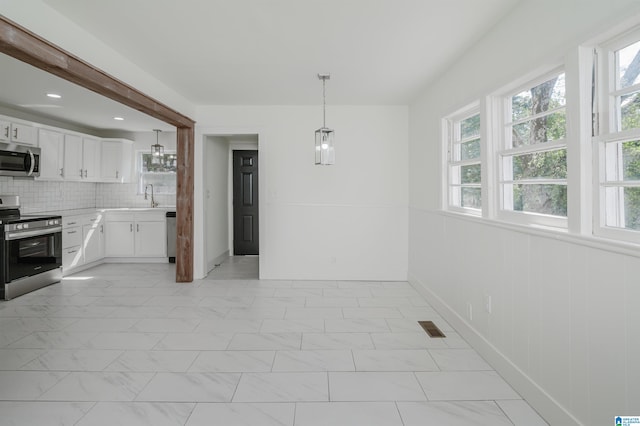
(30, 249)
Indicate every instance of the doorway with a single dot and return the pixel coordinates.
(218, 196)
(245, 203)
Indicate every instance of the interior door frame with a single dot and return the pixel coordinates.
(24, 45)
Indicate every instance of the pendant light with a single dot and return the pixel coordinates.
(325, 153)
(157, 150)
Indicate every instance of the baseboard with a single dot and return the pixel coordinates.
(534, 394)
(218, 260)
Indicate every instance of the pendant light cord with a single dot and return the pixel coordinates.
(324, 103)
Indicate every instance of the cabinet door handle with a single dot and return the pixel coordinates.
(137, 227)
(116, 174)
(80, 172)
(61, 171)
(6, 132)
(131, 227)
(102, 229)
(15, 133)
(71, 232)
(72, 251)
(85, 172)
(71, 223)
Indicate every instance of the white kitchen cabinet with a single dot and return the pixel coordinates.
(51, 144)
(81, 158)
(93, 241)
(116, 162)
(151, 239)
(119, 241)
(82, 240)
(73, 169)
(17, 132)
(140, 234)
(71, 243)
(91, 158)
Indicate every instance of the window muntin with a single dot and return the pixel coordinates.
(464, 164)
(533, 163)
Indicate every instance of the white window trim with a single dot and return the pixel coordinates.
(449, 137)
(501, 108)
(138, 160)
(608, 118)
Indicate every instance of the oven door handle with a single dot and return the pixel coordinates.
(10, 236)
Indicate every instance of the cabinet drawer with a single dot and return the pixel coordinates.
(71, 257)
(71, 237)
(71, 221)
(93, 219)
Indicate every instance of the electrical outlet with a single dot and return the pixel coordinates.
(469, 311)
(487, 303)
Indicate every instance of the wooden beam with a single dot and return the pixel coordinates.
(184, 205)
(22, 44)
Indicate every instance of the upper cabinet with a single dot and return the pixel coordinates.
(73, 169)
(116, 161)
(91, 158)
(52, 154)
(17, 132)
(71, 156)
(81, 158)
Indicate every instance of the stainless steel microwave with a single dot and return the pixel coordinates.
(19, 160)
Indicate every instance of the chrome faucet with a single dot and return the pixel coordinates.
(153, 201)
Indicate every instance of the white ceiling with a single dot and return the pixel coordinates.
(24, 89)
(258, 52)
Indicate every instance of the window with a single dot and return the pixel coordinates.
(532, 160)
(158, 171)
(464, 165)
(618, 145)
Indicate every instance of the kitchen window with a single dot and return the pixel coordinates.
(158, 171)
(532, 155)
(463, 145)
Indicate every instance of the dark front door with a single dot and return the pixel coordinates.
(245, 202)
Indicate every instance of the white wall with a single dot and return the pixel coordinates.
(564, 327)
(216, 218)
(347, 221)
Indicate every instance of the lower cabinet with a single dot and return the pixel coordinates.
(136, 234)
(82, 240)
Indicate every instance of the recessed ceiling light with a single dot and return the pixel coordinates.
(118, 118)
(54, 95)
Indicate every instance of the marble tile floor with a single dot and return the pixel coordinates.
(123, 344)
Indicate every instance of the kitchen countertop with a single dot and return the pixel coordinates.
(78, 212)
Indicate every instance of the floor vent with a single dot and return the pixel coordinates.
(431, 329)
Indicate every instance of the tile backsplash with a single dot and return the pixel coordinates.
(39, 196)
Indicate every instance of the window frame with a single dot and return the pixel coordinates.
(607, 123)
(452, 141)
(141, 173)
(503, 149)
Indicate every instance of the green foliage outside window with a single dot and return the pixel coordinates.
(546, 103)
